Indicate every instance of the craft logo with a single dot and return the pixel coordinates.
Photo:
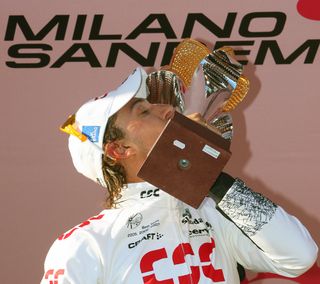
(36, 49)
(134, 221)
(149, 236)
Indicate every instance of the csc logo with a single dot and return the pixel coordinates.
(83, 224)
(53, 275)
(178, 257)
(149, 193)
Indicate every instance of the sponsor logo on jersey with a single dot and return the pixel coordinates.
(187, 218)
(204, 231)
(145, 228)
(82, 225)
(52, 275)
(149, 193)
(204, 264)
(146, 237)
(198, 227)
(134, 221)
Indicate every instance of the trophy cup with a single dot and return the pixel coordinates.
(198, 80)
(187, 158)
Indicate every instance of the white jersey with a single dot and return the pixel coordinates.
(154, 238)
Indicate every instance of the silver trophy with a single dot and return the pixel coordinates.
(199, 80)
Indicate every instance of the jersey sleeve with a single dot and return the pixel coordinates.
(263, 236)
(74, 260)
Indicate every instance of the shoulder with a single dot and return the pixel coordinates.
(84, 234)
(91, 224)
(81, 242)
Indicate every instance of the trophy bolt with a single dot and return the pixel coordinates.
(184, 164)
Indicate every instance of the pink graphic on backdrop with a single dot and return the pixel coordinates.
(312, 276)
(309, 9)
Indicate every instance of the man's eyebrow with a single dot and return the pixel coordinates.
(136, 102)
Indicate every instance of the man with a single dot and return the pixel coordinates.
(151, 237)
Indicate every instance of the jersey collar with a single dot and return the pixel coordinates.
(143, 192)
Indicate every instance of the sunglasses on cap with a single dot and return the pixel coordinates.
(69, 128)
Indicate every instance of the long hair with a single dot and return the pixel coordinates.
(113, 173)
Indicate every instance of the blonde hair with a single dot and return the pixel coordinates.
(113, 173)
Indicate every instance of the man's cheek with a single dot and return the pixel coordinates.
(134, 127)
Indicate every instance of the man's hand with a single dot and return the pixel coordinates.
(197, 117)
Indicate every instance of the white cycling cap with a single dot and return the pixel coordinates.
(89, 123)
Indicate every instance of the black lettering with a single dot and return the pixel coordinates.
(96, 27)
(277, 29)
(59, 21)
(237, 52)
(150, 236)
(207, 23)
(68, 56)
(143, 231)
(149, 193)
(131, 245)
(204, 231)
(311, 46)
(79, 27)
(15, 51)
(133, 54)
(164, 28)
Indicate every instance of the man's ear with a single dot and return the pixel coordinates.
(118, 151)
